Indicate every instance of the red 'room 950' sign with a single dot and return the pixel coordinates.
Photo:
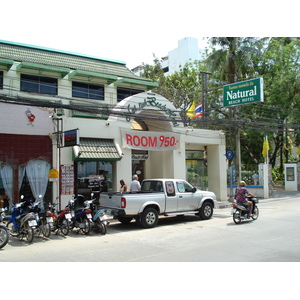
(149, 140)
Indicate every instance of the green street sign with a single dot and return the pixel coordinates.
(243, 92)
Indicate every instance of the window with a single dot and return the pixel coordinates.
(123, 93)
(170, 189)
(86, 90)
(184, 187)
(1, 80)
(38, 84)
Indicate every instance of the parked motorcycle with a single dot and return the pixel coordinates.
(81, 218)
(4, 233)
(43, 221)
(22, 222)
(61, 219)
(241, 212)
(99, 221)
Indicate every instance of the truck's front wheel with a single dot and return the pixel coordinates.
(206, 211)
(149, 218)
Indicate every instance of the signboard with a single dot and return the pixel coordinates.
(243, 92)
(150, 140)
(53, 175)
(67, 179)
(71, 138)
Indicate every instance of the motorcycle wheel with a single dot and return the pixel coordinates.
(12, 231)
(65, 227)
(4, 236)
(29, 234)
(46, 229)
(101, 227)
(255, 213)
(237, 217)
(87, 228)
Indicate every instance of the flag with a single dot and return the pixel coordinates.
(266, 147)
(195, 112)
(191, 112)
(198, 111)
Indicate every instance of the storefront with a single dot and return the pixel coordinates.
(143, 135)
(25, 154)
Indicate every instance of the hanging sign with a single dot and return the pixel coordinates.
(150, 140)
(71, 138)
(243, 92)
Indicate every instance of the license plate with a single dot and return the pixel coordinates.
(233, 210)
(89, 216)
(49, 220)
(108, 211)
(68, 216)
(32, 223)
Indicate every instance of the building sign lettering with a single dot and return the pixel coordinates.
(151, 101)
(248, 91)
(150, 140)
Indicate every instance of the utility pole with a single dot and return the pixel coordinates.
(204, 96)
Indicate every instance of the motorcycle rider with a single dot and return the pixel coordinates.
(241, 194)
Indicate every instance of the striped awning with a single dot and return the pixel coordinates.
(91, 149)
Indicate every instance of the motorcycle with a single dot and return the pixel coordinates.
(43, 221)
(241, 212)
(61, 219)
(81, 218)
(4, 233)
(99, 220)
(22, 223)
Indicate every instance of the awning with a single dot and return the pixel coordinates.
(6, 62)
(148, 84)
(91, 75)
(91, 149)
(25, 65)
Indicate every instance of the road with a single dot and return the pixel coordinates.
(274, 237)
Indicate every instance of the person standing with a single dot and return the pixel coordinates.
(135, 185)
(255, 178)
(123, 187)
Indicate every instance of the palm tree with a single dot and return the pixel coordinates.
(232, 58)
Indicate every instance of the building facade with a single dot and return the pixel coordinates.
(78, 124)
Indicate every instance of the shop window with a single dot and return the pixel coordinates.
(33, 181)
(6, 185)
(94, 176)
(38, 84)
(1, 80)
(196, 168)
(123, 93)
(86, 90)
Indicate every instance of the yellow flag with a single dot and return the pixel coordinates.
(191, 112)
(266, 147)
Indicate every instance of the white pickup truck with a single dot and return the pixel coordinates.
(159, 197)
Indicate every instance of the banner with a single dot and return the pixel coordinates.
(150, 140)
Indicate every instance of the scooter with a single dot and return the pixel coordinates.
(43, 221)
(61, 219)
(4, 233)
(81, 218)
(241, 212)
(100, 222)
(22, 223)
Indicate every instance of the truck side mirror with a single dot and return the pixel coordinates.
(194, 189)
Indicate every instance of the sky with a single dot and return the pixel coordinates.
(132, 31)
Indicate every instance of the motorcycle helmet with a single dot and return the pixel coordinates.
(242, 183)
